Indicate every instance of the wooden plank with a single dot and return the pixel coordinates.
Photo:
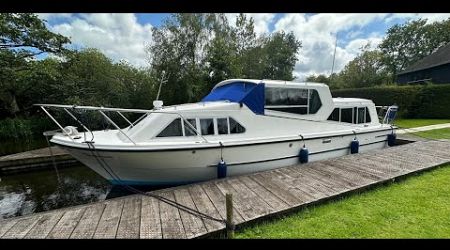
(193, 225)
(63, 229)
(320, 178)
(383, 166)
(218, 199)
(260, 206)
(45, 224)
(88, 223)
(172, 226)
(344, 174)
(109, 221)
(276, 203)
(205, 205)
(129, 224)
(330, 177)
(311, 184)
(365, 168)
(243, 206)
(304, 193)
(21, 228)
(150, 219)
(273, 187)
(5, 225)
(354, 171)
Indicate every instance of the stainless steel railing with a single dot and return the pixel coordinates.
(102, 110)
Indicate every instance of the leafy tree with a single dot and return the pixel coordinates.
(22, 36)
(280, 56)
(407, 43)
(365, 70)
(24, 31)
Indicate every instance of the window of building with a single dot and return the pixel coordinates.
(188, 131)
(235, 127)
(173, 129)
(222, 126)
(207, 126)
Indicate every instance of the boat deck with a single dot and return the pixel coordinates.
(255, 197)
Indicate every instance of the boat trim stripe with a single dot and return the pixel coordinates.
(295, 156)
(213, 147)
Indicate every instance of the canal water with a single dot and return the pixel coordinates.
(47, 189)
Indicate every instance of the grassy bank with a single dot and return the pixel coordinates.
(417, 207)
(435, 134)
(412, 123)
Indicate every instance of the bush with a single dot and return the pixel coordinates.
(415, 101)
(23, 129)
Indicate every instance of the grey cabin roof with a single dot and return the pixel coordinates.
(439, 57)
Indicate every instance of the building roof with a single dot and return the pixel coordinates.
(440, 57)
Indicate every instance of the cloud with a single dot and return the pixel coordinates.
(432, 17)
(119, 36)
(318, 34)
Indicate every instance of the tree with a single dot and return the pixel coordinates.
(365, 70)
(407, 43)
(24, 31)
(280, 56)
(22, 36)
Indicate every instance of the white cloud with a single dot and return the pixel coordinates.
(119, 36)
(432, 17)
(317, 33)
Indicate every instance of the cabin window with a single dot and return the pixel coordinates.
(207, 126)
(334, 115)
(173, 129)
(356, 115)
(293, 100)
(347, 115)
(314, 101)
(188, 131)
(361, 115)
(222, 126)
(235, 127)
(368, 116)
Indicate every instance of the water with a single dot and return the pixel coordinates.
(37, 191)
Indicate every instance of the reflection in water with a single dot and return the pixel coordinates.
(27, 193)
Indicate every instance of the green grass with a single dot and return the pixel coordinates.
(418, 207)
(411, 123)
(443, 133)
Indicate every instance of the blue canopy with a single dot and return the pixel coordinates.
(250, 94)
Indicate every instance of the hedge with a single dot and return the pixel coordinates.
(414, 101)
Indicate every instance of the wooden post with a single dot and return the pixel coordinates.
(229, 207)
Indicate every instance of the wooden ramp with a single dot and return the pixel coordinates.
(255, 196)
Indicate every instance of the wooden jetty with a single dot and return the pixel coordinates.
(34, 159)
(255, 196)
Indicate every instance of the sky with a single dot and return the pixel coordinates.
(124, 36)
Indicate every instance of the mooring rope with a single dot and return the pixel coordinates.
(115, 177)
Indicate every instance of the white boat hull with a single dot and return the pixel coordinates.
(183, 166)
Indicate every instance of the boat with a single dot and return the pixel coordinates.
(242, 126)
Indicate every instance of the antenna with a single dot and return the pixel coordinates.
(157, 104)
(161, 83)
(334, 57)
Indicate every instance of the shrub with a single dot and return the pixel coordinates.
(415, 101)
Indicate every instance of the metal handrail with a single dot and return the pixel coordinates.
(118, 110)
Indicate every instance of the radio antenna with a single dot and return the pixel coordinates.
(334, 57)
(163, 80)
